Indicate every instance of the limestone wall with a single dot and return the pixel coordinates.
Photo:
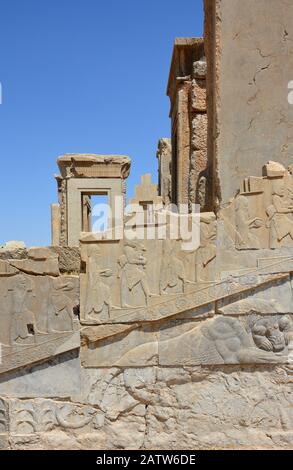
(151, 408)
(142, 345)
(154, 342)
(249, 49)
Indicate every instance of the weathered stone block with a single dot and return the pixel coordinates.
(57, 377)
(69, 259)
(274, 170)
(198, 161)
(198, 96)
(199, 69)
(199, 132)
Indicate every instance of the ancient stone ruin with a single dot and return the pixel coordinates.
(157, 341)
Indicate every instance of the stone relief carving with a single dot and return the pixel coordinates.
(244, 225)
(98, 295)
(203, 338)
(64, 301)
(253, 403)
(46, 415)
(23, 323)
(272, 333)
(134, 347)
(280, 214)
(208, 341)
(173, 276)
(4, 419)
(32, 298)
(37, 316)
(261, 215)
(220, 340)
(135, 290)
(186, 296)
(206, 255)
(133, 275)
(28, 321)
(223, 340)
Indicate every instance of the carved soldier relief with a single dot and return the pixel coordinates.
(38, 312)
(261, 215)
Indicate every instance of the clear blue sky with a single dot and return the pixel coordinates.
(80, 76)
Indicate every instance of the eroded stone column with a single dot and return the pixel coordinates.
(187, 93)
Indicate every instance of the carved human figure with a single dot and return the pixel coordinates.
(62, 305)
(244, 224)
(206, 254)
(172, 278)
(134, 284)
(279, 214)
(23, 324)
(98, 293)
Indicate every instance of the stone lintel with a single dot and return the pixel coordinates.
(94, 166)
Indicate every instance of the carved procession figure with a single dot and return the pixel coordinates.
(172, 279)
(244, 223)
(206, 254)
(280, 221)
(134, 284)
(23, 324)
(62, 306)
(98, 295)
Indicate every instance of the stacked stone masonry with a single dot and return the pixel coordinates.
(187, 93)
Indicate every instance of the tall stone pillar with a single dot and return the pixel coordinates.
(249, 49)
(187, 93)
(183, 143)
